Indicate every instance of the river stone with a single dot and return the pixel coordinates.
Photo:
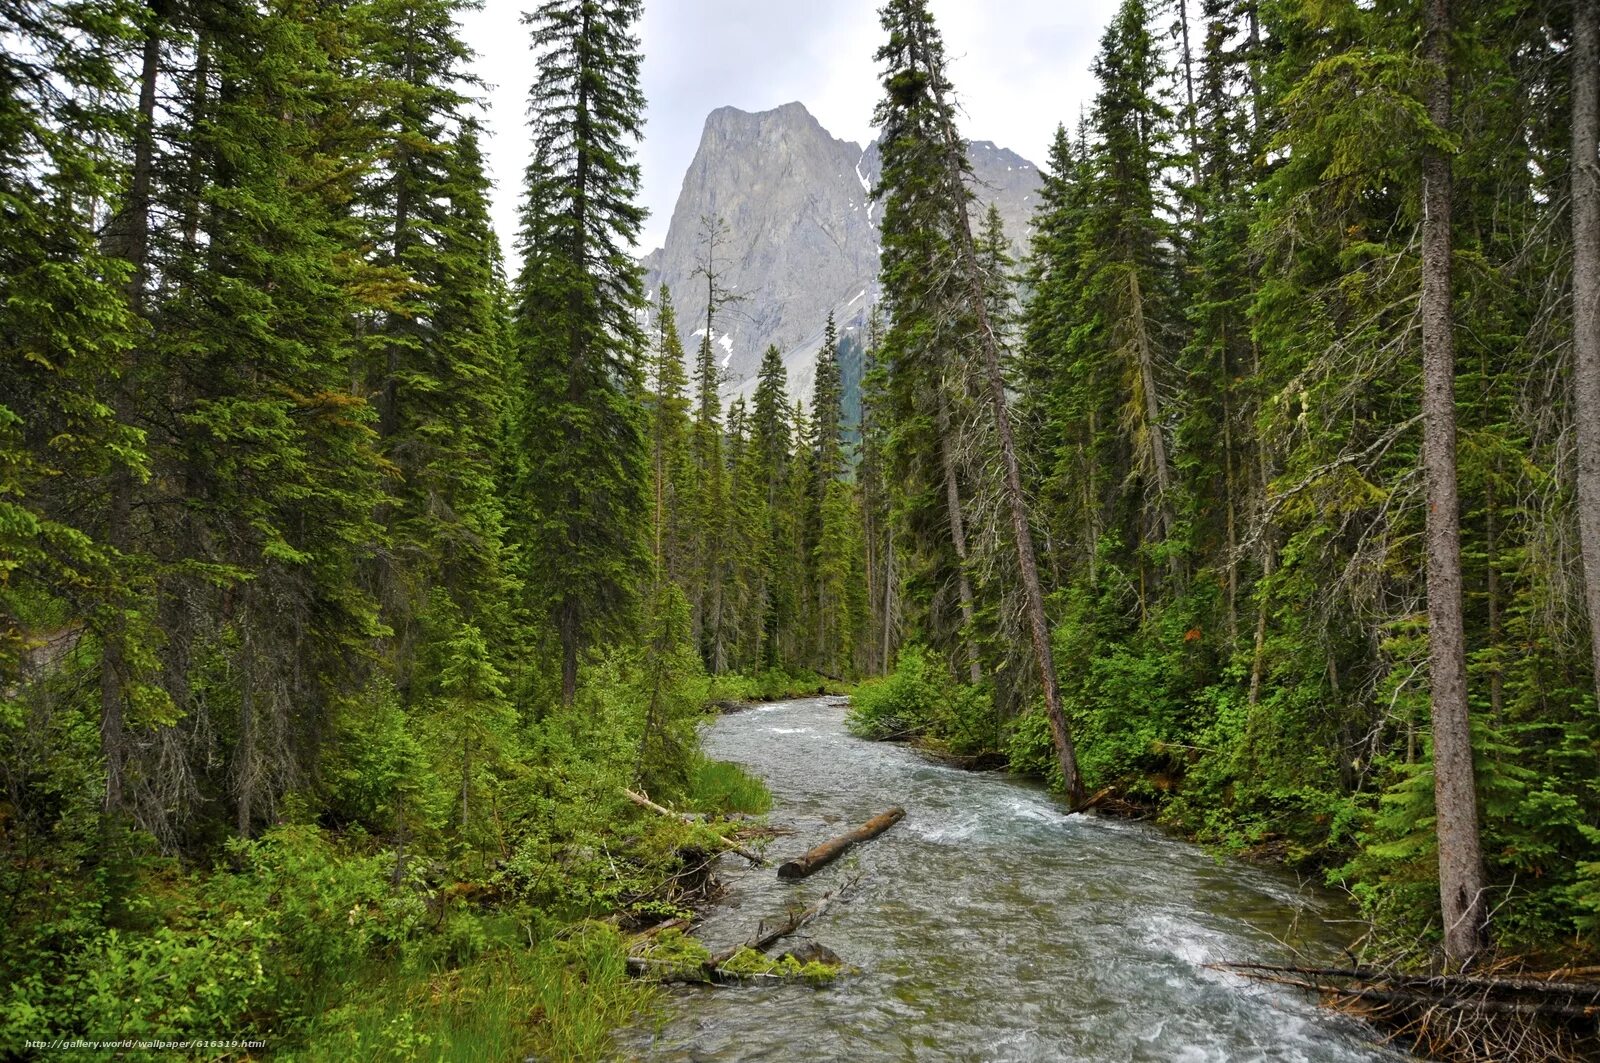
(809, 951)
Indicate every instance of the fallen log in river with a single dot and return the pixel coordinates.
(823, 855)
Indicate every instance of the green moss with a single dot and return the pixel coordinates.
(674, 954)
(750, 962)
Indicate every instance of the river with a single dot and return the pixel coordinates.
(988, 925)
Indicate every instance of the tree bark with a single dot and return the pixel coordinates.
(888, 605)
(1586, 301)
(569, 650)
(1152, 415)
(1455, 791)
(765, 938)
(733, 846)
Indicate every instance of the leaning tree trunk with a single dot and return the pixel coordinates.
(1586, 300)
(1455, 792)
(1011, 484)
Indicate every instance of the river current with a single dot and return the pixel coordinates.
(989, 925)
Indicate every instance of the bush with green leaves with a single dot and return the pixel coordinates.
(904, 703)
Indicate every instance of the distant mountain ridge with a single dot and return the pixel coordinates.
(802, 238)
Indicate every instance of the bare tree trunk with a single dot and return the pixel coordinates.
(1586, 300)
(1455, 791)
(958, 538)
(1016, 501)
(244, 756)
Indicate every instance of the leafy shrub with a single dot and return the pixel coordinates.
(903, 704)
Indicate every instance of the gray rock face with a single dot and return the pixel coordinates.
(801, 235)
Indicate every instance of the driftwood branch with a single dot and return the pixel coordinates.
(732, 846)
(816, 859)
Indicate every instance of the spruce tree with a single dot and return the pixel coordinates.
(581, 495)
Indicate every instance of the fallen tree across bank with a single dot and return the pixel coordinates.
(1549, 1015)
(822, 855)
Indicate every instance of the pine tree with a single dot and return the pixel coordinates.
(769, 452)
(582, 490)
(1127, 278)
(827, 408)
(435, 369)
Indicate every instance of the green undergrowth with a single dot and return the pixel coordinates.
(723, 788)
(559, 999)
(380, 917)
(919, 700)
(773, 684)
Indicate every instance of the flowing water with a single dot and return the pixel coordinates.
(988, 925)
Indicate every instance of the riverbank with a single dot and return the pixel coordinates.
(989, 923)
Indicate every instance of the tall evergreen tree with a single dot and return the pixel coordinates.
(577, 297)
(919, 122)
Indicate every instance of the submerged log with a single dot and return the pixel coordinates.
(733, 846)
(829, 851)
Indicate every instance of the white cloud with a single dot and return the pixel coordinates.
(1019, 67)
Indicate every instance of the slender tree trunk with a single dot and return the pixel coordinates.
(244, 755)
(1586, 300)
(1493, 591)
(1016, 501)
(1229, 491)
(466, 778)
(1269, 555)
(202, 77)
(1455, 791)
(958, 538)
(1189, 112)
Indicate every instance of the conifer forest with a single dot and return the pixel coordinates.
(384, 598)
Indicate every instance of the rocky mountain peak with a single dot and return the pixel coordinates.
(801, 240)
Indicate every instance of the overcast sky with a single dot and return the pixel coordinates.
(1019, 67)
